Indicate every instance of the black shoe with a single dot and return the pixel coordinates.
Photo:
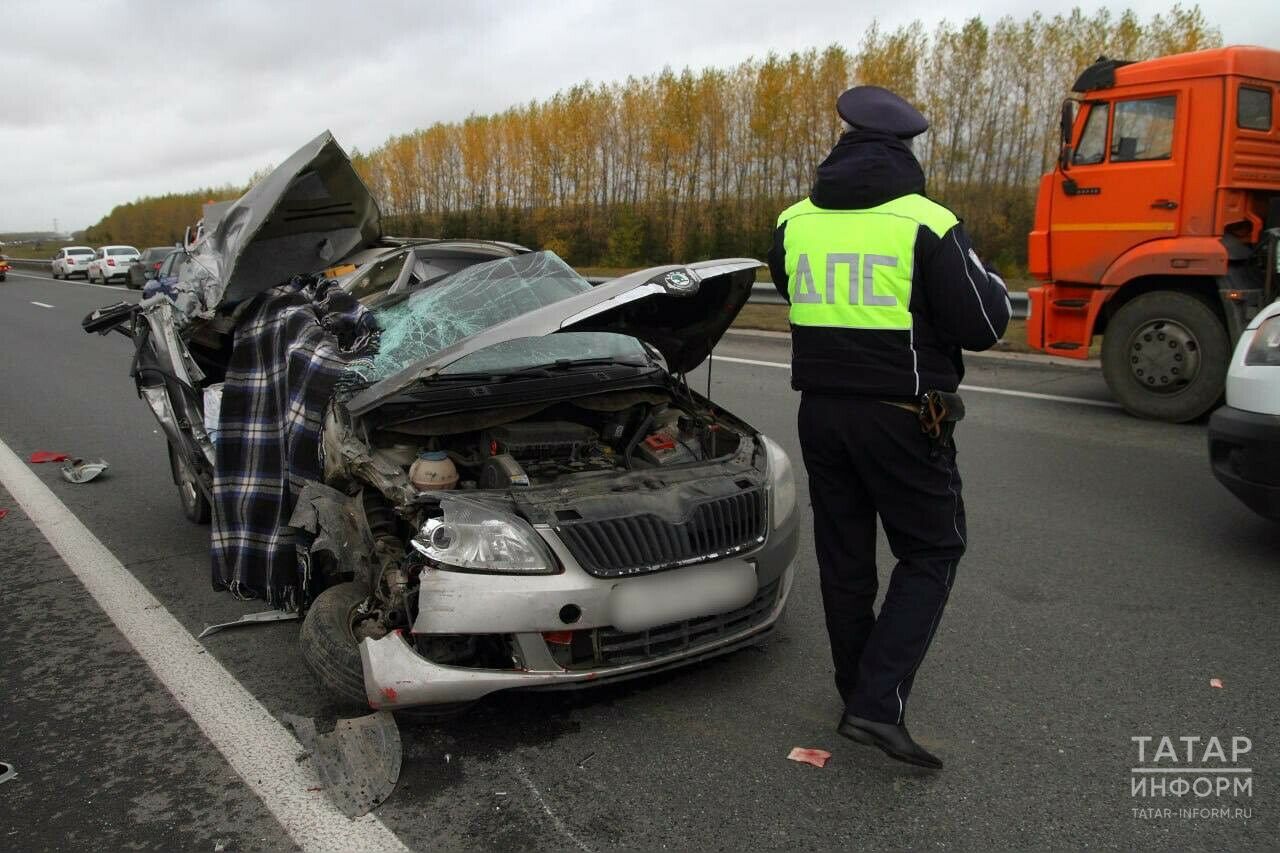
(894, 741)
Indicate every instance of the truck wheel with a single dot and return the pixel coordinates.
(329, 646)
(1165, 357)
(194, 504)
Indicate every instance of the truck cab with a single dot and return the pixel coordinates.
(1157, 227)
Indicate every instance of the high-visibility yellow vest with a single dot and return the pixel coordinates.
(852, 269)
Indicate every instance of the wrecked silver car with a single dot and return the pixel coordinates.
(514, 484)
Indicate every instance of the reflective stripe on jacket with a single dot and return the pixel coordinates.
(883, 298)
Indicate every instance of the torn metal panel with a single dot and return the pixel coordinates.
(79, 470)
(309, 212)
(358, 762)
(178, 412)
(335, 527)
(266, 616)
(347, 459)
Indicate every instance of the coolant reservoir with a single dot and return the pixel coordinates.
(433, 470)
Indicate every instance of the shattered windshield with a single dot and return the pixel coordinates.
(465, 303)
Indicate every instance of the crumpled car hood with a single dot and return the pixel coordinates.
(310, 211)
(682, 311)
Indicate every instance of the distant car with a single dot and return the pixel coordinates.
(1244, 435)
(111, 262)
(72, 260)
(4, 267)
(167, 275)
(148, 265)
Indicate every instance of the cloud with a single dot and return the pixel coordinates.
(202, 95)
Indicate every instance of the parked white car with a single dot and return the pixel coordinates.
(1244, 435)
(72, 260)
(112, 262)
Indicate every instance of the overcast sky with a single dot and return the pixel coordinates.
(101, 103)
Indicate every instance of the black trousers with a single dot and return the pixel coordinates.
(867, 458)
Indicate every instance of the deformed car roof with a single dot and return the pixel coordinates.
(309, 212)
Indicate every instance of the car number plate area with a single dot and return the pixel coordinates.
(678, 594)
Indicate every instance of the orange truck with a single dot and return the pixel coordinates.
(1157, 228)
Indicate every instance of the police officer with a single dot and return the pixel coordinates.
(885, 290)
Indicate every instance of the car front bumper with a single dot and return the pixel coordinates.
(524, 608)
(1244, 450)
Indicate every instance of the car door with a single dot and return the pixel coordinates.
(1124, 184)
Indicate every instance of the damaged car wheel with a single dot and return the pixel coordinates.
(329, 644)
(195, 506)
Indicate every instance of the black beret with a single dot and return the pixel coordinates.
(874, 108)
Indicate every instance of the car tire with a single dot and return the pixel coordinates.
(55, 275)
(195, 506)
(1187, 338)
(329, 647)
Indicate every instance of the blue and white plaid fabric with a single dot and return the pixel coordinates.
(291, 351)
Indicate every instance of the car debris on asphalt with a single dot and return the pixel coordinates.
(77, 470)
(261, 618)
(1215, 682)
(39, 456)
(806, 755)
(358, 762)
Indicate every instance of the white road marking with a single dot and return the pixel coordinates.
(256, 745)
(67, 280)
(41, 304)
(981, 389)
(523, 776)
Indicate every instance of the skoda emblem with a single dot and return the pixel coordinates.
(679, 282)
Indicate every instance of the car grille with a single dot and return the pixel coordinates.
(637, 544)
(611, 647)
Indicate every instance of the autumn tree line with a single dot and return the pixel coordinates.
(689, 164)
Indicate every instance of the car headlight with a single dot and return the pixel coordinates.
(473, 537)
(1265, 346)
(782, 482)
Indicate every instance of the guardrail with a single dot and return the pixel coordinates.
(762, 292)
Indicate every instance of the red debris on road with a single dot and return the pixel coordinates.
(48, 456)
(1215, 682)
(816, 757)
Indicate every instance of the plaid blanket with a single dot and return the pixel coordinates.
(291, 351)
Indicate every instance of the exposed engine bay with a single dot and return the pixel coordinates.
(607, 433)
(601, 455)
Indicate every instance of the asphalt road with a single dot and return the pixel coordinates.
(1108, 579)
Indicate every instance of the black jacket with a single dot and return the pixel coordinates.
(955, 302)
